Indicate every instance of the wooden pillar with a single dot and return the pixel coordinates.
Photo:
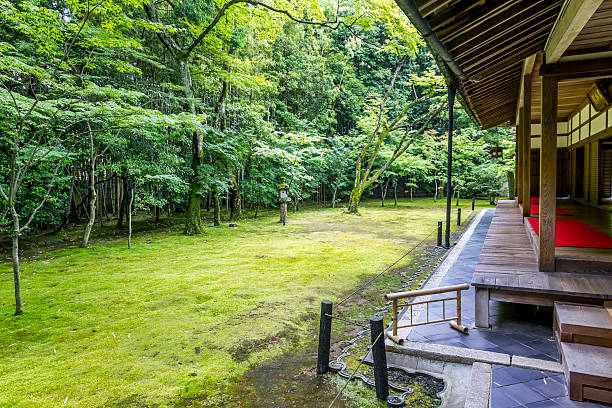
(452, 87)
(517, 168)
(515, 191)
(519, 156)
(481, 308)
(548, 174)
(526, 146)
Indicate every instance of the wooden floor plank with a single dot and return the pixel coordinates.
(509, 263)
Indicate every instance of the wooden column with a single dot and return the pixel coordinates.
(526, 146)
(519, 155)
(548, 174)
(516, 166)
(481, 308)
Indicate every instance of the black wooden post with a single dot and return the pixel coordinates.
(381, 376)
(458, 216)
(449, 161)
(473, 201)
(439, 233)
(324, 336)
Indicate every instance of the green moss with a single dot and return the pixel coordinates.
(186, 316)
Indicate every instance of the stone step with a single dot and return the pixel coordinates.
(588, 371)
(586, 324)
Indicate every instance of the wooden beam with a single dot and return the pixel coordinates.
(591, 69)
(528, 64)
(548, 174)
(431, 7)
(526, 159)
(573, 17)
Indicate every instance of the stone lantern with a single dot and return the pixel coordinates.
(283, 199)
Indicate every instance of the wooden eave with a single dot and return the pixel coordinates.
(488, 40)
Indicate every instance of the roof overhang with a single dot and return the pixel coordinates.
(488, 47)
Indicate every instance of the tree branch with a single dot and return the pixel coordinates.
(43, 201)
(166, 39)
(334, 24)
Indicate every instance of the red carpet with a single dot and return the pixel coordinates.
(535, 210)
(575, 233)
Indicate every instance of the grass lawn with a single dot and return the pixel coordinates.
(180, 319)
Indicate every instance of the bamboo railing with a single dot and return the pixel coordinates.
(454, 321)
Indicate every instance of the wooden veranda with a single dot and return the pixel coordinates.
(508, 271)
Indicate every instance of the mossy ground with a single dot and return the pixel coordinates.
(179, 320)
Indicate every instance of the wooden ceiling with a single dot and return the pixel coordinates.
(595, 36)
(571, 94)
(489, 39)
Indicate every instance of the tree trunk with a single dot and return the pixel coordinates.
(92, 204)
(101, 205)
(234, 197)
(436, 191)
(16, 271)
(334, 197)
(93, 194)
(123, 201)
(129, 217)
(395, 192)
(117, 201)
(157, 213)
(216, 207)
(193, 219)
(383, 193)
(354, 199)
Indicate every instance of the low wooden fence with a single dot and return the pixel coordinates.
(454, 321)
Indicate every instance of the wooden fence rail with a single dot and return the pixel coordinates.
(454, 321)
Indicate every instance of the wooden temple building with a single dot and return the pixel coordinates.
(545, 68)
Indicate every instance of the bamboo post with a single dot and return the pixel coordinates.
(439, 233)
(458, 216)
(381, 376)
(393, 334)
(457, 325)
(324, 337)
(473, 202)
(459, 307)
(395, 317)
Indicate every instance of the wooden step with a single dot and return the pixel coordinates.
(588, 371)
(586, 324)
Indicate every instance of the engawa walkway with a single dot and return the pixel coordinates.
(516, 330)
